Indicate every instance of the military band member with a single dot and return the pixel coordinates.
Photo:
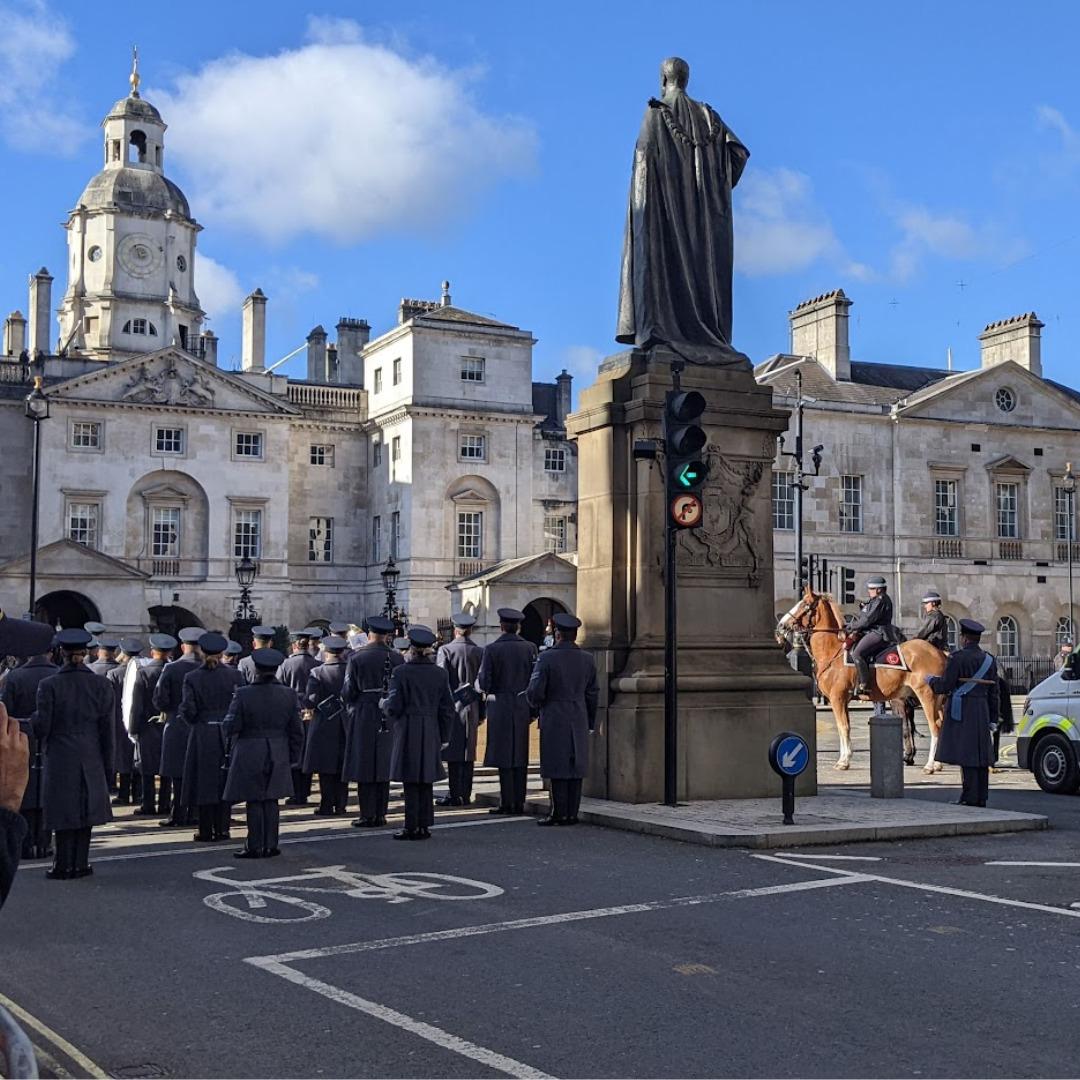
(106, 648)
(231, 656)
(262, 637)
(461, 660)
(266, 737)
(970, 683)
(368, 742)
(934, 626)
(19, 697)
(129, 787)
(74, 721)
(325, 750)
(421, 710)
(174, 739)
(873, 625)
(504, 675)
(207, 695)
(563, 689)
(145, 726)
(294, 673)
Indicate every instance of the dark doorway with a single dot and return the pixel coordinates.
(66, 609)
(536, 617)
(172, 619)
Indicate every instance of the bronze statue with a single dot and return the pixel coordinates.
(677, 255)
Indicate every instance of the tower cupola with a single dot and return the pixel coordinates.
(134, 130)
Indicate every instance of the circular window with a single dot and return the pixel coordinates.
(94, 253)
(181, 263)
(1005, 399)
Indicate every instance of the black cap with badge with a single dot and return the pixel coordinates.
(379, 624)
(23, 637)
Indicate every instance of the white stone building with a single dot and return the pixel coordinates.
(160, 471)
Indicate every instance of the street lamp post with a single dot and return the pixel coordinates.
(247, 570)
(37, 409)
(390, 575)
(1070, 532)
(799, 483)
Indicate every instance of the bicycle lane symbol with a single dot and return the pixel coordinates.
(275, 900)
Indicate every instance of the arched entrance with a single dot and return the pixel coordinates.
(66, 609)
(536, 615)
(172, 619)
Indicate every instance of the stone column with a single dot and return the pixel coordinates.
(736, 690)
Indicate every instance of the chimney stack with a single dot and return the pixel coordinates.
(1018, 339)
(563, 384)
(316, 355)
(819, 328)
(14, 334)
(352, 336)
(444, 300)
(253, 343)
(40, 312)
(209, 347)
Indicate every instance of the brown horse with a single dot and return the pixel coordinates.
(817, 616)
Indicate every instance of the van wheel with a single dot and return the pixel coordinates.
(1055, 766)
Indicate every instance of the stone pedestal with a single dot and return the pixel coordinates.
(736, 690)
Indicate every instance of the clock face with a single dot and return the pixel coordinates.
(94, 253)
(139, 255)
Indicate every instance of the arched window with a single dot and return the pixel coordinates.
(1008, 637)
(137, 147)
(140, 326)
(1063, 631)
(952, 634)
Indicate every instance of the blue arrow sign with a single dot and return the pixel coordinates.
(790, 755)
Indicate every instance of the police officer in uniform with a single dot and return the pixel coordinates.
(368, 742)
(505, 670)
(262, 638)
(874, 627)
(971, 684)
(101, 660)
(461, 659)
(266, 737)
(174, 739)
(421, 710)
(563, 689)
(294, 672)
(325, 750)
(145, 726)
(207, 695)
(74, 721)
(129, 789)
(934, 626)
(19, 697)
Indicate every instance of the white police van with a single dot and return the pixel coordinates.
(1048, 735)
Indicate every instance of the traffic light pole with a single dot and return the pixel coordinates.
(671, 656)
(799, 484)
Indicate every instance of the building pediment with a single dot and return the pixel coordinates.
(66, 559)
(546, 568)
(1007, 464)
(173, 379)
(164, 493)
(470, 494)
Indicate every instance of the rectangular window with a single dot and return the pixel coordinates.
(376, 539)
(321, 540)
(376, 452)
(554, 532)
(395, 533)
(1007, 499)
(946, 522)
(473, 447)
(851, 504)
(395, 448)
(82, 523)
(783, 501)
(378, 380)
(472, 369)
(247, 534)
(249, 444)
(86, 435)
(554, 459)
(138, 326)
(322, 454)
(396, 372)
(470, 534)
(1064, 514)
(165, 532)
(168, 440)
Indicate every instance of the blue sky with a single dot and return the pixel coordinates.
(345, 155)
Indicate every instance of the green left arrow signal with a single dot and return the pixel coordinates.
(690, 474)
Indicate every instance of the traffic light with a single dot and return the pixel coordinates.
(806, 571)
(684, 439)
(823, 574)
(847, 585)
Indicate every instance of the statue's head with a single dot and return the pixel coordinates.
(674, 74)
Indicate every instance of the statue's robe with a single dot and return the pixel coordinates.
(678, 250)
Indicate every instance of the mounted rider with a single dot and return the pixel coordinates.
(874, 627)
(935, 627)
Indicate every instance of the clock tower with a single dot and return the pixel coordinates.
(131, 246)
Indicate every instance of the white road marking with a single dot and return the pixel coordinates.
(832, 858)
(58, 1041)
(279, 964)
(1010, 862)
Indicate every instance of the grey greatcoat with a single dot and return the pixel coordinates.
(421, 710)
(367, 749)
(563, 688)
(246, 667)
(208, 693)
(19, 696)
(294, 673)
(264, 730)
(324, 751)
(461, 658)
(123, 748)
(967, 741)
(504, 674)
(167, 694)
(74, 721)
(143, 723)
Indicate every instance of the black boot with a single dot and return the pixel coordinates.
(862, 685)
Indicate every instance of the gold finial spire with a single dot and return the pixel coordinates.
(134, 77)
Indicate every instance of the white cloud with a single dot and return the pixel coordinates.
(1047, 118)
(583, 362)
(340, 137)
(219, 289)
(33, 44)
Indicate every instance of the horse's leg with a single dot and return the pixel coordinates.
(929, 701)
(839, 704)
